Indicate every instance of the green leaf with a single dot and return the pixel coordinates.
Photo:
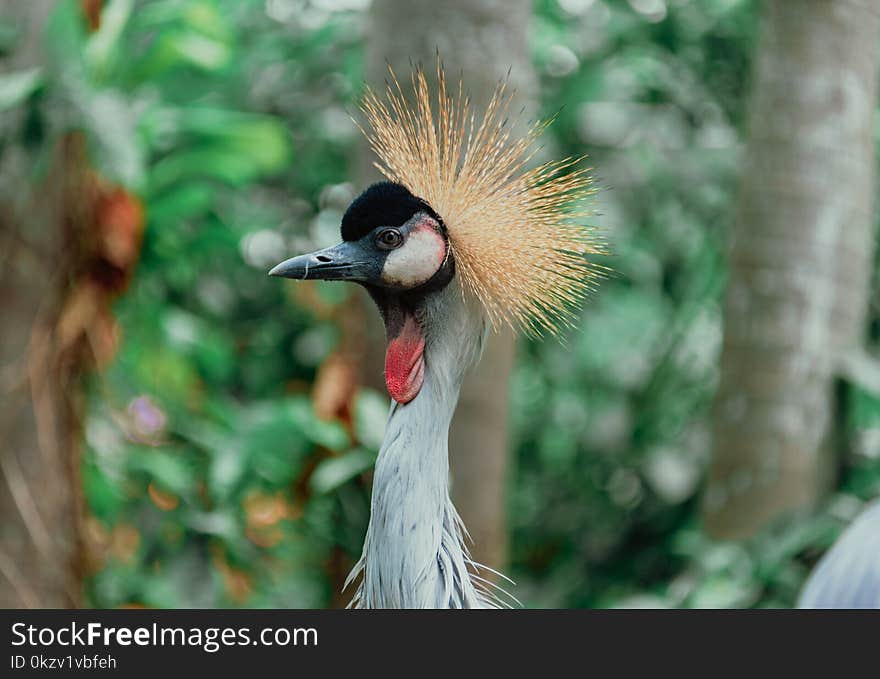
(170, 470)
(331, 435)
(104, 497)
(263, 139)
(65, 40)
(208, 344)
(186, 48)
(181, 202)
(370, 415)
(228, 467)
(223, 164)
(203, 16)
(333, 472)
(102, 45)
(16, 87)
(222, 524)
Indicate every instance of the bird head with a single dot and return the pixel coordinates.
(396, 246)
(391, 240)
(460, 202)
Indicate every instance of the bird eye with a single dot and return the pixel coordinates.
(388, 239)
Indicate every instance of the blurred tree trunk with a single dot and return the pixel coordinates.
(478, 40)
(37, 504)
(70, 241)
(799, 261)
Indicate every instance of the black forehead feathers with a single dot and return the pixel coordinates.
(382, 204)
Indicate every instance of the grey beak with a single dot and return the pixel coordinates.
(347, 261)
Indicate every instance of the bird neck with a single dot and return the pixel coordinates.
(414, 554)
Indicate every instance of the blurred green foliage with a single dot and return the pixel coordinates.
(212, 482)
(200, 433)
(614, 443)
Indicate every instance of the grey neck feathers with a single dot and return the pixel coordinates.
(414, 554)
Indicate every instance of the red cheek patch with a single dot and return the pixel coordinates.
(405, 361)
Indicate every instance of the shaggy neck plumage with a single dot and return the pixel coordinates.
(414, 554)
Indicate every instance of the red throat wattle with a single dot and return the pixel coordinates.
(405, 361)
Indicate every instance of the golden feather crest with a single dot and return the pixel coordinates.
(518, 234)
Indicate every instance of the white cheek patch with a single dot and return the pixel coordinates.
(419, 258)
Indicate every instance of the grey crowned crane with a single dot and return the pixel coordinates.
(848, 576)
(462, 236)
